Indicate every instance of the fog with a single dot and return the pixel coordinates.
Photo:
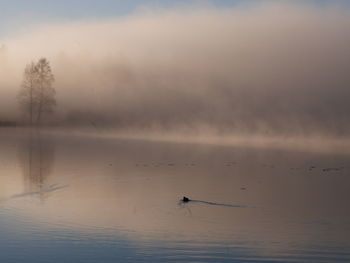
(268, 68)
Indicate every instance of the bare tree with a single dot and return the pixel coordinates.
(28, 93)
(37, 95)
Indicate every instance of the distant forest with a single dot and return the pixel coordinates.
(7, 123)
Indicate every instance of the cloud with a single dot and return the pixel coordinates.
(269, 67)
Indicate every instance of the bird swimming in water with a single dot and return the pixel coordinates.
(185, 199)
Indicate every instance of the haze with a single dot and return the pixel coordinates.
(174, 131)
(272, 67)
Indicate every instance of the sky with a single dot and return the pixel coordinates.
(18, 14)
(269, 67)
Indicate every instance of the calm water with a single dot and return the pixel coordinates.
(84, 199)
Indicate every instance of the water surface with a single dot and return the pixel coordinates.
(85, 199)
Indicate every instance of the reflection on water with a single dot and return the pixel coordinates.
(37, 155)
(122, 203)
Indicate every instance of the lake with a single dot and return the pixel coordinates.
(69, 198)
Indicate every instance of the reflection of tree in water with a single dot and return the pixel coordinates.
(36, 158)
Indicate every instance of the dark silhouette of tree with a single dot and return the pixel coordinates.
(37, 95)
(28, 93)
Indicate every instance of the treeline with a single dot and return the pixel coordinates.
(8, 123)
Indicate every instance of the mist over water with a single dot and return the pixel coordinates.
(84, 199)
(271, 68)
(191, 133)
